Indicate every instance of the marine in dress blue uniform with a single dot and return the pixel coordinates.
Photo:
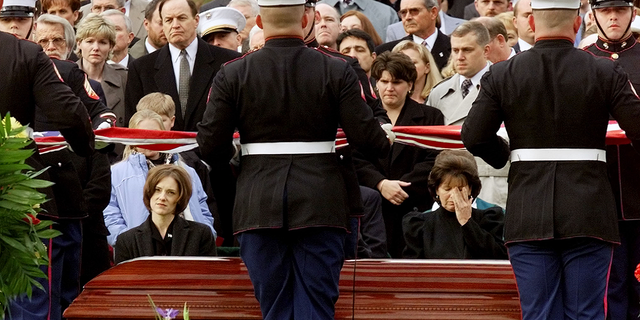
(623, 161)
(291, 210)
(27, 78)
(560, 225)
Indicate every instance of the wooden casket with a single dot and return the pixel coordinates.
(220, 288)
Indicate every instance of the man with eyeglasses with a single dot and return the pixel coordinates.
(419, 21)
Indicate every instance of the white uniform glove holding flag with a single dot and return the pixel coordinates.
(390, 134)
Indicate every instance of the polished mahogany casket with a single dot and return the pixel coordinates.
(220, 288)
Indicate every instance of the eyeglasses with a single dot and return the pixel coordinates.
(411, 11)
(56, 42)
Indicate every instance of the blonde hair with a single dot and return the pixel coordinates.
(450, 69)
(507, 19)
(433, 77)
(158, 102)
(93, 25)
(135, 121)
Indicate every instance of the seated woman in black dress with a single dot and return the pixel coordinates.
(455, 230)
(165, 233)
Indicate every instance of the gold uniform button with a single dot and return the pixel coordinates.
(614, 56)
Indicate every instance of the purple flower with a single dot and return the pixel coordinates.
(167, 314)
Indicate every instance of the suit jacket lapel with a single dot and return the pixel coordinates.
(200, 78)
(144, 242)
(406, 118)
(164, 78)
(453, 99)
(441, 49)
(180, 236)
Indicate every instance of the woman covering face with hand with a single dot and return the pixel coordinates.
(455, 230)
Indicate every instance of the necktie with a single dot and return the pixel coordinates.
(466, 84)
(426, 45)
(183, 86)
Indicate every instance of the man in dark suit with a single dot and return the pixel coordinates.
(521, 12)
(169, 69)
(124, 37)
(419, 21)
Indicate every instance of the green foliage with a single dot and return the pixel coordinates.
(21, 249)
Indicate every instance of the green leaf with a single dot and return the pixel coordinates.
(26, 194)
(7, 122)
(48, 234)
(15, 244)
(36, 183)
(37, 173)
(11, 179)
(14, 144)
(14, 206)
(12, 168)
(21, 200)
(15, 155)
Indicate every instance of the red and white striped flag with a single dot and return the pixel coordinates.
(436, 137)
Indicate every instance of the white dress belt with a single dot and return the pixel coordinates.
(274, 148)
(558, 155)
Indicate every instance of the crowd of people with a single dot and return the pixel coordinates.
(285, 74)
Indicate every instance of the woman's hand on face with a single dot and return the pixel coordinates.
(462, 200)
(392, 190)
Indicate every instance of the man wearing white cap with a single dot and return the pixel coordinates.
(291, 208)
(220, 27)
(616, 41)
(16, 17)
(560, 226)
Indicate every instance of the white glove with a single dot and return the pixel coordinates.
(104, 125)
(390, 134)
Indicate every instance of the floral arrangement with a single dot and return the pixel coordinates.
(21, 249)
(168, 314)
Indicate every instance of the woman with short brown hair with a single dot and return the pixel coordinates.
(167, 191)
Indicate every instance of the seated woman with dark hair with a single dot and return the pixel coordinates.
(456, 230)
(166, 194)
(401, 176)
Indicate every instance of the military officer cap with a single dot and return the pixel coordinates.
(595, 4)
(555, 4)
(18, 8)
(276, 3)
(221, 19)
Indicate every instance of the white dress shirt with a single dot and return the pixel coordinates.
(475, 80)
(150, 48)
(430, 41)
